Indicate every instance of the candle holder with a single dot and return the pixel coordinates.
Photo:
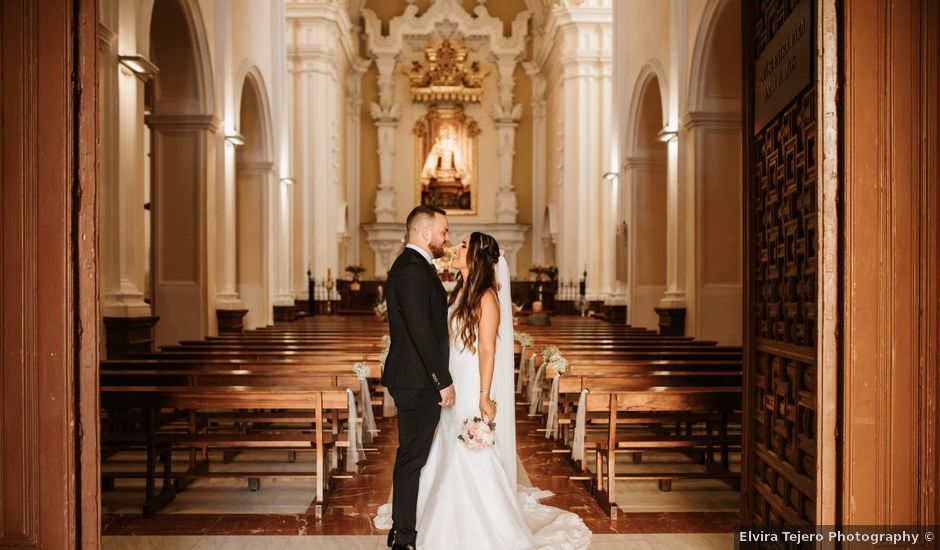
(329, 294)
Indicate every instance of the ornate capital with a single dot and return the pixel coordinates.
(504, 115)
(380, 114)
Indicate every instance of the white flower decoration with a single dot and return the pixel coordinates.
(559, 363)
(361, 370)
(386, 344)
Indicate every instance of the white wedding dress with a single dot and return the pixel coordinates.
(469, 499)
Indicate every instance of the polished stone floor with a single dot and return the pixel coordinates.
(214, 513)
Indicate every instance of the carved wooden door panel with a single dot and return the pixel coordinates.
(779, 459)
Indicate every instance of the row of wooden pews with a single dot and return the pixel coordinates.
(289, 387)
(628, 390)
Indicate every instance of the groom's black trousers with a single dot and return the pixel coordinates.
(418, 414)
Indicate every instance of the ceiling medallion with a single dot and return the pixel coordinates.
(446, 76)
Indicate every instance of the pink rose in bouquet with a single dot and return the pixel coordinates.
(476, 433)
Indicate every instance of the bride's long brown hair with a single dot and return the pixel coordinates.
(482, 256)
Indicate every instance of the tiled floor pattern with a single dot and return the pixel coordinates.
(212, 513)
(702, 541)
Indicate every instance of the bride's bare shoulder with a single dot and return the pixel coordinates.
(489, 304)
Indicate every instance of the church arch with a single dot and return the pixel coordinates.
(713, 134)
(254, 172)
(645, 171)
(182, 128)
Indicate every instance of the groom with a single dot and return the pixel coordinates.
(416, 370)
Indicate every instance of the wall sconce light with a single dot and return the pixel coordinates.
(667, 134)
(288, 181)
(139, 65)
(611, 176)
(235, 139)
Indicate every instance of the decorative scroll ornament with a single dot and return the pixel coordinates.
(447, 77)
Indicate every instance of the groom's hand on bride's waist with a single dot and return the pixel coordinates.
(447, 396)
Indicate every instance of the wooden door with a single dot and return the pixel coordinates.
(779, 461)
(48, 311)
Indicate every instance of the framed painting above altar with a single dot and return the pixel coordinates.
(446, 158)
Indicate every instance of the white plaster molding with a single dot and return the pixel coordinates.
(539, 181)
(714, 119)
(507, 207)
(479, 25)
(385, 240)
(322, 30)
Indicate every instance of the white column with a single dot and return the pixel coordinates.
(539, 181)
(385, 114)
(586, 38)
(321, 46)
(283, 295)
(506, 117)
(385, 236)
(225, 244)
(676, 222)
(353, 153)
(122, 180)
(281, 192)
(317, 169)
(606, 206)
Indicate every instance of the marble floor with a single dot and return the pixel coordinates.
(680, 541)
(216, 513)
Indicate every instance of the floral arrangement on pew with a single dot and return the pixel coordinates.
(559, 363)
(549, 353)
(381, 310)
(524, 338)
(368, 418)
(386, 344)
(361, 370)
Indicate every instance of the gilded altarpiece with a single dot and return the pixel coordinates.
(446, 153)
(446, 137)
(781, 344)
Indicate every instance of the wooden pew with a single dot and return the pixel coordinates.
(618, 404)
(310, 403)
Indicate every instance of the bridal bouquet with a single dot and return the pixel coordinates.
(477, 433)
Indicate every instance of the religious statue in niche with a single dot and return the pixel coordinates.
(446, 136)
(445, 155)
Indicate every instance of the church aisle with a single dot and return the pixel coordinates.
(209, 517)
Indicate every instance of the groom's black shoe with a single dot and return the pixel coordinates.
(409, 546)
(391, 537)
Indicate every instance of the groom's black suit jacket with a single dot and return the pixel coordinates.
(417, 318)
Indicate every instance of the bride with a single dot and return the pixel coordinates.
(468, 498)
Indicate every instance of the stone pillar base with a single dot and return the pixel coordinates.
(671, 321)
(231, 321)
(126, 336)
